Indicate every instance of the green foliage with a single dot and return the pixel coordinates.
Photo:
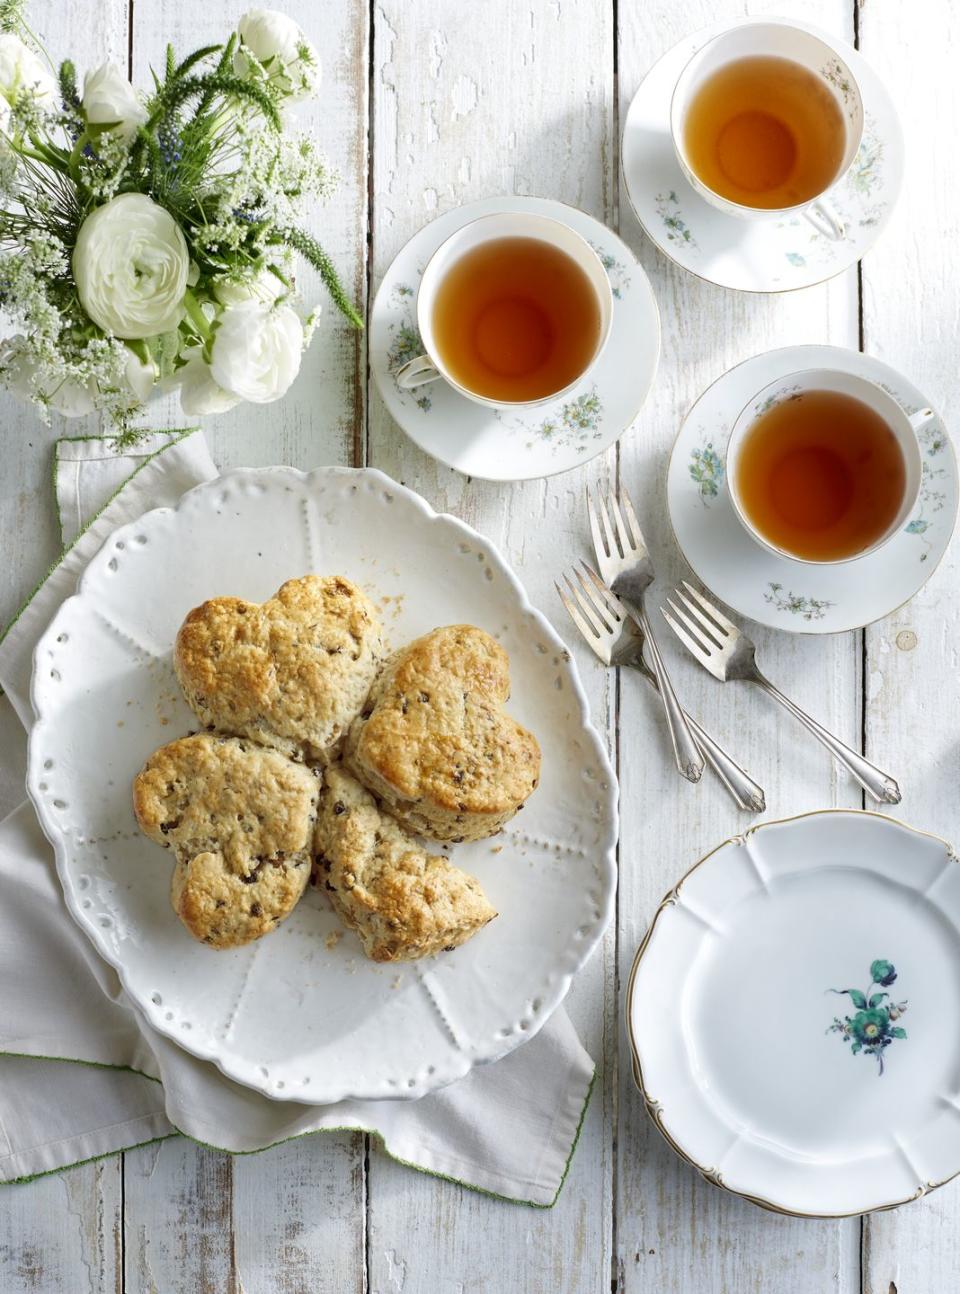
(11, 14)
(311, 251)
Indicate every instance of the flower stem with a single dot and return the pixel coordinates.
(197, 317)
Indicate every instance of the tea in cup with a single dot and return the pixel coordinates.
(513, 309)
(824, 466)
(766, 118)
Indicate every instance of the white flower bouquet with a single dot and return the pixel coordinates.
(153, 240)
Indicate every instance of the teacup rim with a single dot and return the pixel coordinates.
(541, 400)
(751, 530)
(765, 20)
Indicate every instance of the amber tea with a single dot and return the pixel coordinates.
(764, 132)
(515, 319)
(820, 475)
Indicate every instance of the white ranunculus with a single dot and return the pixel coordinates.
(130, 265)
(21, 69)
(264, 287)
(110, 100)
(256, 351)
(291, 62)
(199, 393)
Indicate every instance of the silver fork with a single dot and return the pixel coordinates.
(728, 653)
(625, 565)
(613, 633)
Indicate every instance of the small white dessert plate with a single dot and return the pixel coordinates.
(302, 1015)
(518, 444)
(757, 256)
(780, 591)
(794, 1014)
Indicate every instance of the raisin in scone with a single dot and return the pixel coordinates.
(239, 820)
(291, 672)
(402, 902)
(434, 743)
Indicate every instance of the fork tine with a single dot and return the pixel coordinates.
(707, 628)
(595, 601)
(595, 630)
(690, 641)
(622, 537)
(613, 604)
(607, 528)
(721, 621)
(593, 620)
(600, 546)
(708, 646)
(576, 617)
(632, 521)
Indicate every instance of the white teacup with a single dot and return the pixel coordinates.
(778, 38)
(517, 224)
(904, 427)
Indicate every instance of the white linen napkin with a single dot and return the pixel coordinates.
(509, 1128)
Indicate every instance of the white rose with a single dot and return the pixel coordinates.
(291, 62)
(199, 393)
(130, 265)
(110, 100)
(264, 287)
(21, 69)
(256, 351)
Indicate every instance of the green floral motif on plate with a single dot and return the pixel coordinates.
(806, 607)
(872, 1028)
(406, 344)
(706, 471)
(668, 209)
(616, 271)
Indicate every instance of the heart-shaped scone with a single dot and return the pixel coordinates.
(403, 902)
(434, 744)
(291, 672)
(239, 820)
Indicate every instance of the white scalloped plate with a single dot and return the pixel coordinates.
(302, 1015)
(794, 1012)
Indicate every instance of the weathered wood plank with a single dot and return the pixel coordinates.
(910, 320)
(58, 1233)
(516, 100)
(197, 1220)
(675, 1232)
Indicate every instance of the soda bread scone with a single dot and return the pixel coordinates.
(291, 672)
(434, 744)
(239, 820)
(402, 902)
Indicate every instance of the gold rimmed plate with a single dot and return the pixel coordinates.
(794, 1014)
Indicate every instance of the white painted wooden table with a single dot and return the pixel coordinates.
(427, 104)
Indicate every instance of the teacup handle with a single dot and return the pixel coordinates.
(416, 372)
(920, 419)
(825, 221)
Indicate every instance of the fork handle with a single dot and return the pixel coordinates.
(747, 793)
(873, 780)
(685, 749)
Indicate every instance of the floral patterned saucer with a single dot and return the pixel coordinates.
(794, 1014)
(779, 591)
(761, 256)
(505, 444)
